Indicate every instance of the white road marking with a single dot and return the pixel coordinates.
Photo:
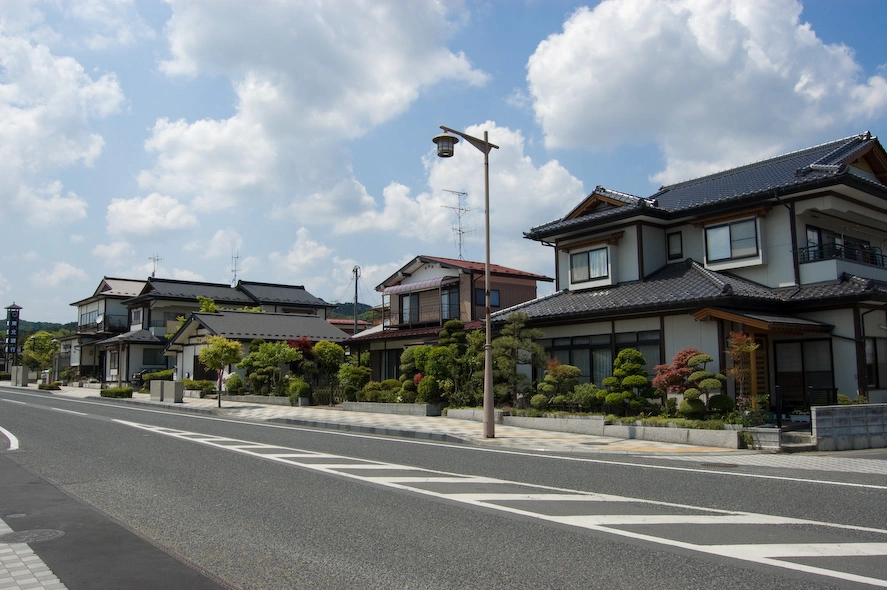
(70, 412)
(772, 554)
(13, 441)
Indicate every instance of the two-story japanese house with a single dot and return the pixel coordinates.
(787, 250)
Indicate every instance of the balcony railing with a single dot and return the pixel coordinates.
(864, 254)
(423, 315)
(105, 323)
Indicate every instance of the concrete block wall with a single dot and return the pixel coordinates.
(843, 428)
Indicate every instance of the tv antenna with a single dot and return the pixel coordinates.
(154, 259)
(458, 230)
(235, 256)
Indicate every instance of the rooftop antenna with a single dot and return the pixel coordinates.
(458, 230)
(154, 259)
(235, 256)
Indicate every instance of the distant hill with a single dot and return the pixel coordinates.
(31, 327)
(346, 311)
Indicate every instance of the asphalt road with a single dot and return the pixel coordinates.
(269, 506)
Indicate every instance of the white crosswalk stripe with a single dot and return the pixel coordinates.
(704, 530)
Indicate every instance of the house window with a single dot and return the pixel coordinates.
(113, 359)
(593, 355)
(732, 240)
(479, 297)
(409, 308)
(153, 356)
(675, 246)
(587, 266)
(802, 366)
(135, 317)
(449, 304)
(876, 362)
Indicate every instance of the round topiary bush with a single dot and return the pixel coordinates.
(539, 401)
(234, 383)
(721, 404)
(692, 408)
(390, 385)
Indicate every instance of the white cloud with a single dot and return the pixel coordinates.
(714, 82)
(113, 253)
(109, 23)
(304, 254)
(181, 274)
(48, 206)
(148, 216)
(224, 244)
(60, 273)
(337, 70)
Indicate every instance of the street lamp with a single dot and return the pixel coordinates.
(120, 338)
(55, 360)
(445, 149)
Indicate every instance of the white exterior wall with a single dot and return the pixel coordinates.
(624, 257)
(683, 331)
(429, 271)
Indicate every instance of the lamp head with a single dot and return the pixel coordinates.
(445, 144)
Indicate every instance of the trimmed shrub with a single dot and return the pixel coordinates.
(203, 385)
(429, 391)
(165, 375)
(539, 401)
(721, 404)
(300, 388)
(350, 393)
(4, 376)
(558, 400)
(692, 408)
(387, 397)
(844, 400)
(372, 386)
(122, 392)
(409, 394)
(390, 384)
(54, 386)
(234, 383)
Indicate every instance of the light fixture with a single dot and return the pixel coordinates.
(446, 144)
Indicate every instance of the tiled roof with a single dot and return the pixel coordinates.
(189, 290)
(244, 325)
(395, 334)
(140, 336)
(688, 285)
(269, 293)
(479, 266)
(777, 175)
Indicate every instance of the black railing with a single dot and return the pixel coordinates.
(865, 254)
(422, 315)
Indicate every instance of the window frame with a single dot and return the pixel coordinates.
(731, 241)
(480, 297)
(587, 254)
(668, 243)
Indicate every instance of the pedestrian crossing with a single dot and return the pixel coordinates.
(846, 552)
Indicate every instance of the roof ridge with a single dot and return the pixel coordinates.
(839, 143)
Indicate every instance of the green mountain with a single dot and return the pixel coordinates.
(346, 311)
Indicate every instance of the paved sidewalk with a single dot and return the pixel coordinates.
(438, 428)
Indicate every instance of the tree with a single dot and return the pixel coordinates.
(207, 305)
(515, 346)
(329, 356)
(38, 351)
(219, 352)
(740, 348)
(265, 361)
(629, 383)
(559, 379)
(673, 378)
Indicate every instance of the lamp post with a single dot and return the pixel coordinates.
(445, 149)
(119, 360)
(55, 361)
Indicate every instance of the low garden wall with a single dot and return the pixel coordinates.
(596, 426)
(402, 409)
(273, 400)
(857, 426)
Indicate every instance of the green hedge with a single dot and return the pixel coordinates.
(117, 392)
(204, 385)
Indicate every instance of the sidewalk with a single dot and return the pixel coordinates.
(438, 428)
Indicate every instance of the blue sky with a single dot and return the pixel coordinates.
(297, 135)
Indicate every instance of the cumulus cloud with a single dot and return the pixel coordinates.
(714, 82)
(338, 70)
(47, 103)
(148, 216)
(60, 272)
(302, 256)
(224, 243)
(114, 253)
(109, 23)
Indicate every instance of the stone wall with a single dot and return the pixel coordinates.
(842, 428)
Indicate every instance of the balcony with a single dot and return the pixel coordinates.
(865, 254)
(103, 323)
(423, 315)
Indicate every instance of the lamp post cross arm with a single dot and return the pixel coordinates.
(480, 144)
